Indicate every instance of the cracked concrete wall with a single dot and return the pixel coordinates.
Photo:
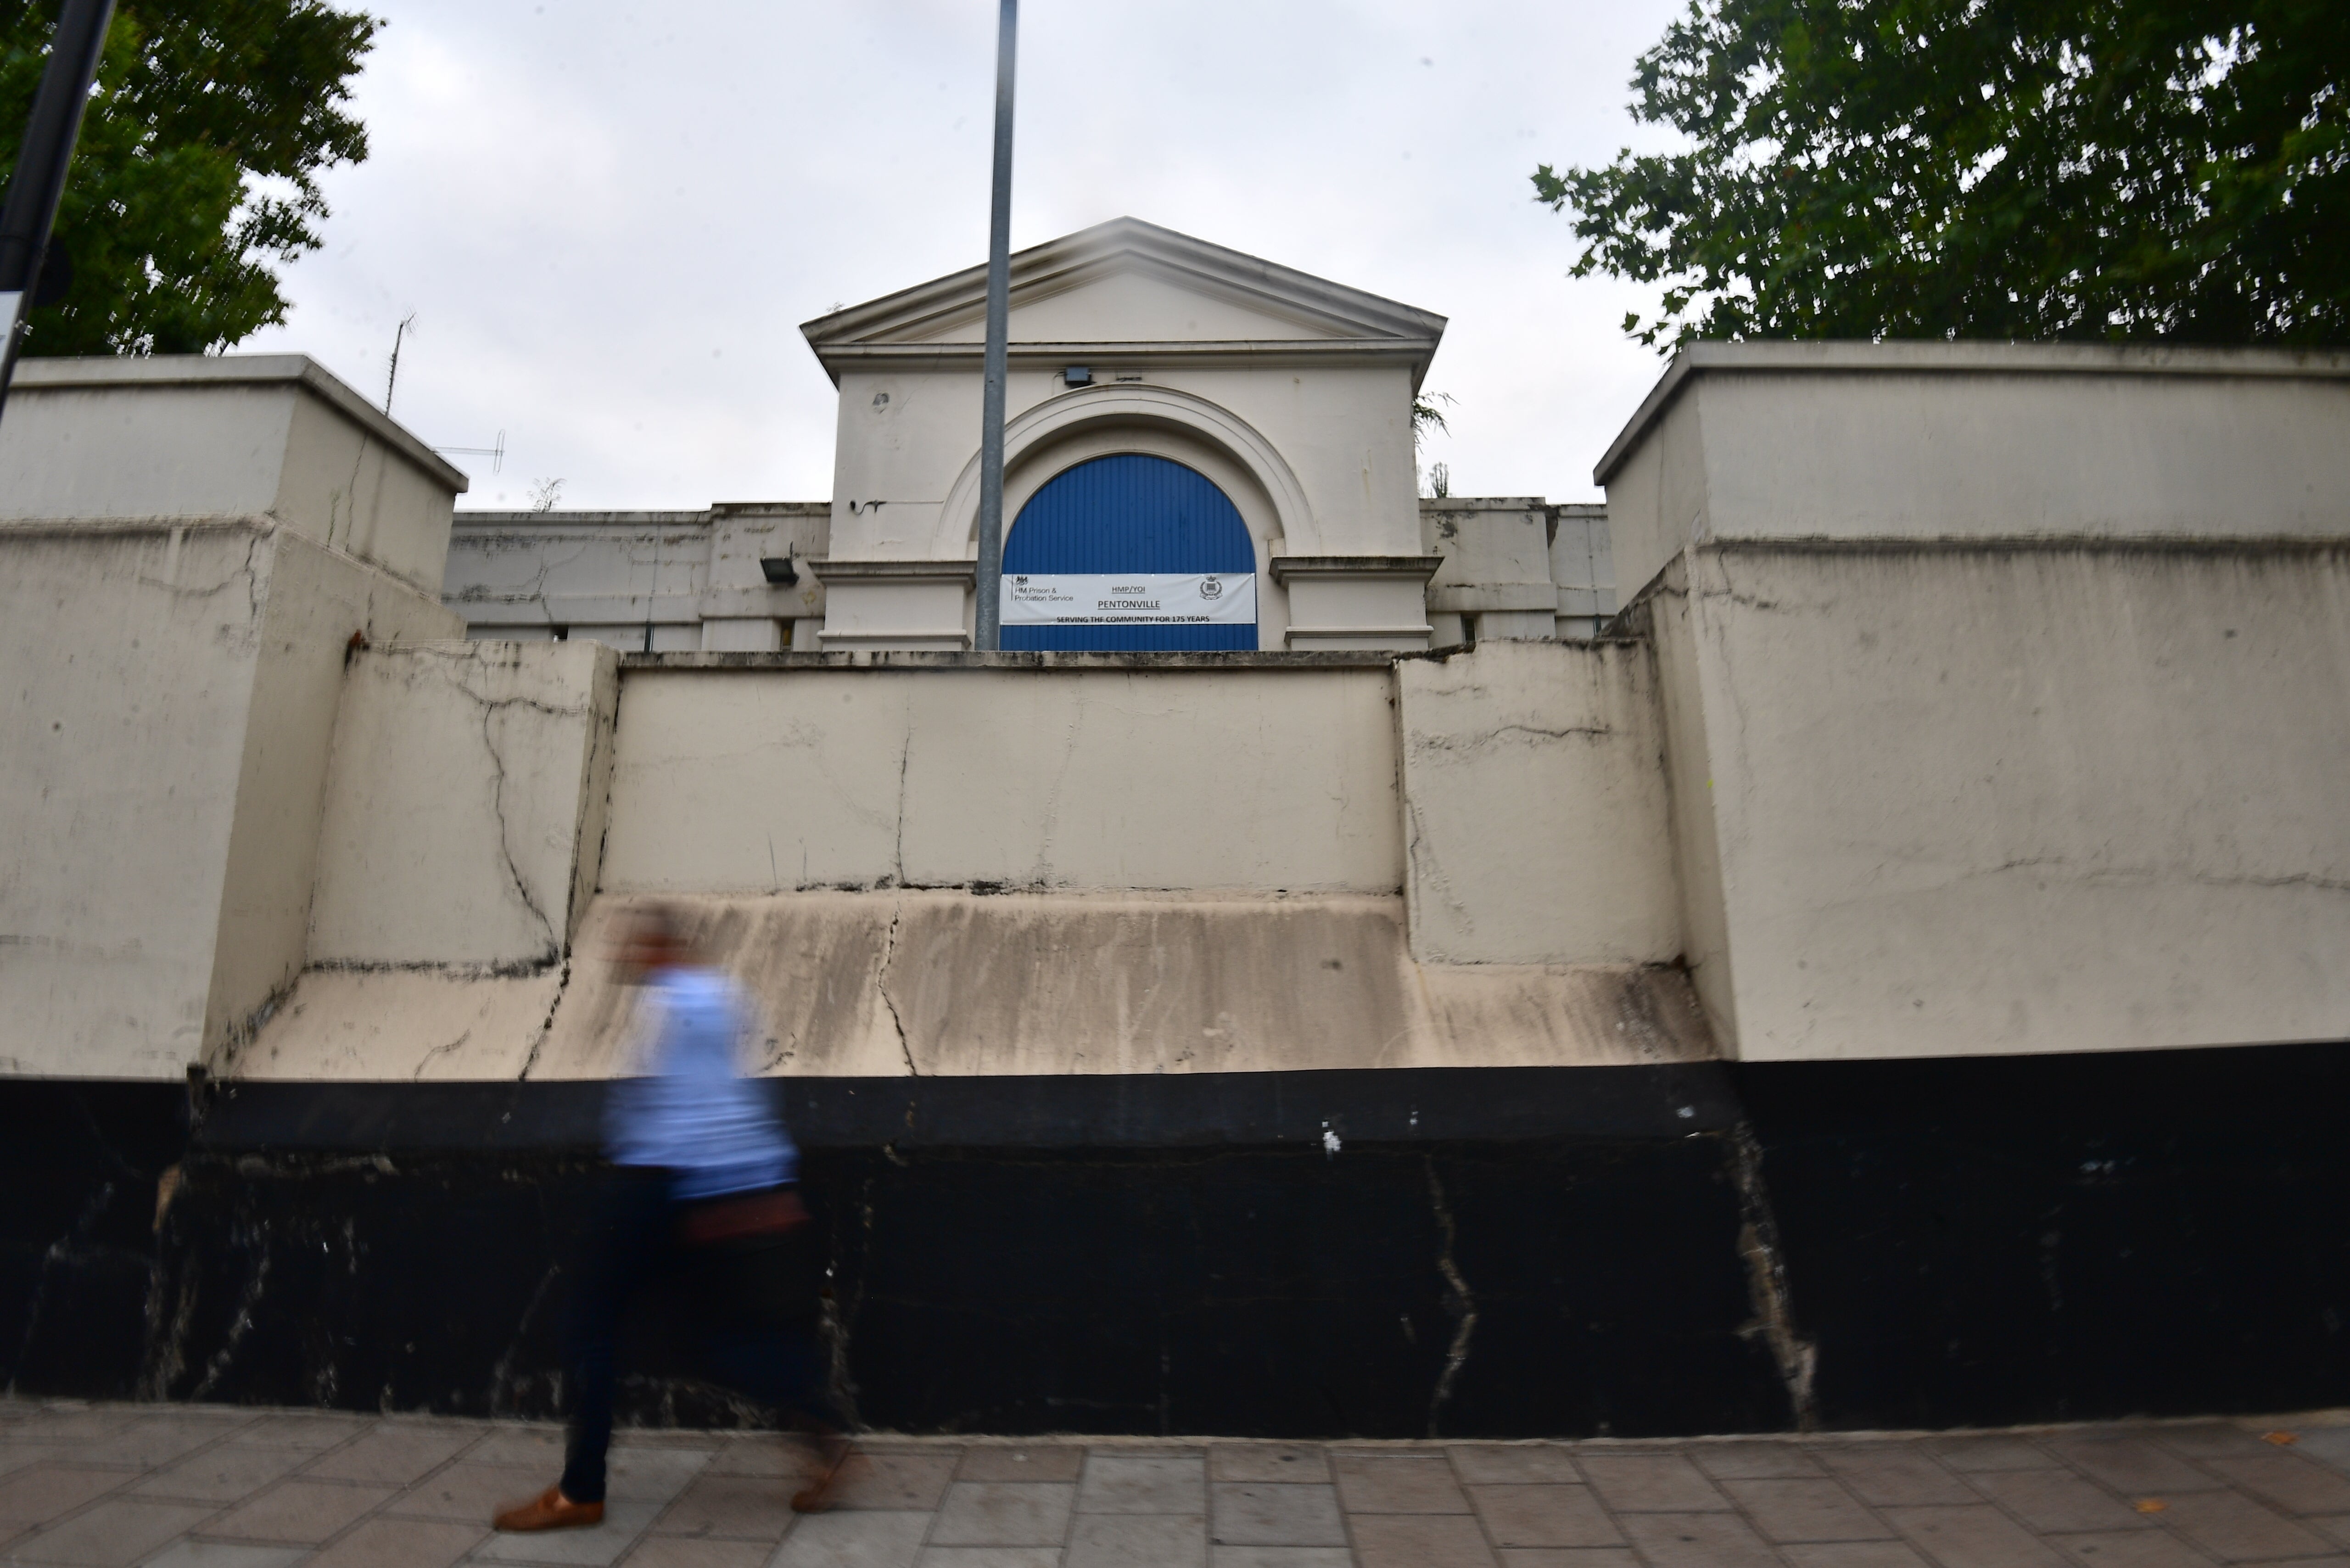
(1975, 800)
(318, 600)
(161, 758)
(925, 982)
(1979, 441)
(770, 780)
(464, 806)
(214, 436)
(1536, 808)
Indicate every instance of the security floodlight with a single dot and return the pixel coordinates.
(779, 571)
(1078, 376)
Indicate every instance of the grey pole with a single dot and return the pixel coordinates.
(41, 161)
(987, 630)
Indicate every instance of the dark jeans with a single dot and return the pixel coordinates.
(755, 1298)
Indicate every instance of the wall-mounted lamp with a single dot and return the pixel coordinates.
(1078, 376)
(779, 571)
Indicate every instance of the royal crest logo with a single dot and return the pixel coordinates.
(1210, 589)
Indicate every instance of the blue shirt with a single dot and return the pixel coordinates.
(694, 1112)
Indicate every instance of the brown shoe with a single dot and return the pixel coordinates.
(550, 1509)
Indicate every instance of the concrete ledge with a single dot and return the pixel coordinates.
(100, 372)
(1041, 662)
(1959, 358)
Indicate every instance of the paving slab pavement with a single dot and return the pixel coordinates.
(150, 1486)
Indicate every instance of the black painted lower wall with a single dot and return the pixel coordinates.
(1496, 1253)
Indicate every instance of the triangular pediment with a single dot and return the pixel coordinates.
(1128, 281)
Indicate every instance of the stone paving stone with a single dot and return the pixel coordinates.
(679, 1552)
(302, 1431)
(1853, 1554)
(1004, 1514)
(1697, 1540)
(1801, 1510)
(1883, 1475)
(1545, 1515)
(220, 1475)
(2328, 1444)
(68, 1424)
(1651, 1482)
(223, 1554)
(2333, 1527)
(2132, 1466)
(892, 1481)
(2131, 1549)
(45, 1492)
(1267, 1462)
(1753, 1461)
(1415, 1484)
(1512, 1464)
(2228, 1525)
(1253, 1513)
(115, 1535)
(394, 1455)
(1971, 1535)
(989, 1557)
(2053, 1500)
(2210, 1439)
(1420, 1540)
(2291, 1483)
(594, 1548)
(400, 1543)
(540, 1447)
(14, 1457)
(143, 1445)
(657, 1475)
(299, 1511)
(1138, 1540)
(749, 1508)
(1569, 1557)
(1124, 1483)
(871, 1540)
(466, 1490)
(1991, 1451)
(766, 1455)
(1056, 1462)
(1279, 1557)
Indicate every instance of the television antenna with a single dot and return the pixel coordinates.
(496, 454)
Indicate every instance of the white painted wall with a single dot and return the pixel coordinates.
(1931, 440)
(768, 780)
(2006, 693)
(161, 772)
(1536, 819)
(202, 436)
(464, 804)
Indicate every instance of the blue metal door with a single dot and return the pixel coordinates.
(1129, 513)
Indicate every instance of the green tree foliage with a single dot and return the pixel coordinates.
(2001, 169)
(197, 165)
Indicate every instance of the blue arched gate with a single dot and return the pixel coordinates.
(1129, 552)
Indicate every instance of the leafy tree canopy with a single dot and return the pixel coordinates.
(2004, 169)
(197, 165)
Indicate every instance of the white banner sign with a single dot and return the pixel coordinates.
(1193, 598)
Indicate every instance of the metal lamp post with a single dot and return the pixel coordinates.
(987, 621)
(40, 175)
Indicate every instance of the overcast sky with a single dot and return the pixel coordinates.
(610, 219)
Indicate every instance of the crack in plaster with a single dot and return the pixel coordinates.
(547, 1024)
(1456, 1356)
(502, 1379)
(240, 1324)
(1766, 1280)
(881, 987)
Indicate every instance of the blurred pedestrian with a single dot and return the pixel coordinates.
(704, 1182)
